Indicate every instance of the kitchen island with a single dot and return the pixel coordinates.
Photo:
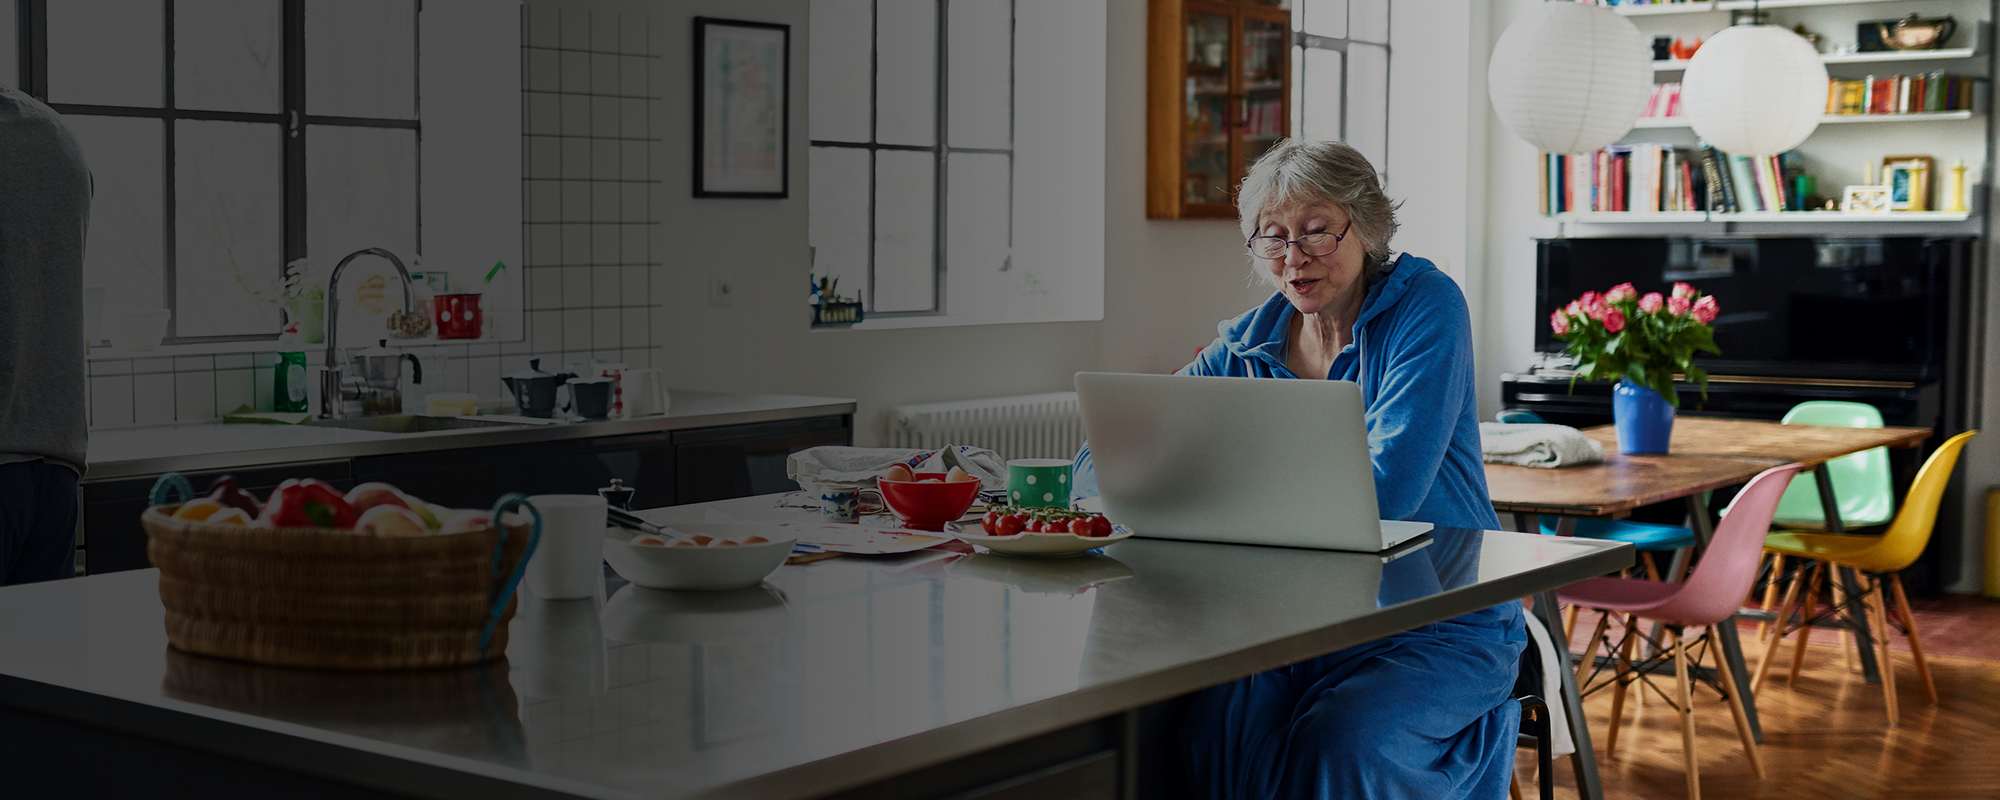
(933, 674)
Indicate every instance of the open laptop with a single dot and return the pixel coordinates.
(1241, 460)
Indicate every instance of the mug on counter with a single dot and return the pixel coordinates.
(568, 564)
(1038, 482)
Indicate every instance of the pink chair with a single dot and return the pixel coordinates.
(1711, 596)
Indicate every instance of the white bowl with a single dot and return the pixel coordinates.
(703, 568)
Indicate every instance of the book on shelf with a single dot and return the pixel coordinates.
(1649, 178)
(1929, 92)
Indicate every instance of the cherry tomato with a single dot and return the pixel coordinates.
(1080, 526)
(1100, 526)
(1007, 525)
(990, 522)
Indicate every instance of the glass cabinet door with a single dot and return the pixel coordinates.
(1206, 115)
(1262, 114)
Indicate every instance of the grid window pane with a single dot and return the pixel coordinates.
(1320, 17)
(361, 58)
(1368, 102)
(10, 44)
(348, 209)
(1370, 21)
(92, 60)
(228, 55)
(981, 67)
(124, 250)
(1318, 101)
(978, 207)
(838, 222)
(228, 228)
(905, 231)
(906, 72)
(840, 73)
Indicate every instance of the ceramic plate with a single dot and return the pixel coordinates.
(1038, 545)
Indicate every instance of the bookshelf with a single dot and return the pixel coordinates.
(1718, 6)
(1650, 123)
(1884, 57)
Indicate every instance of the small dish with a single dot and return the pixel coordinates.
(709, 568)
(1038, 545)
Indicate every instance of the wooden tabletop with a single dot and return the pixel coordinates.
(1707, 453)
(1807, 445)
(1615, 487)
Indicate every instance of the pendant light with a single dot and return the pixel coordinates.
(1754, 90)
(1569, 77)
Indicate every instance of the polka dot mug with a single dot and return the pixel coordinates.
(1038, 483)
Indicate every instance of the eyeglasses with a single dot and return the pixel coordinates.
(1317, 245)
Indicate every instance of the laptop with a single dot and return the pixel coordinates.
(1238, 460)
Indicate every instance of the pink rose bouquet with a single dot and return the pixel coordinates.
(1646, 339)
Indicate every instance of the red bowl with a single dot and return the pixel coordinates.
(928, 506)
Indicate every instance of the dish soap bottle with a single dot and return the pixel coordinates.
(288, 383)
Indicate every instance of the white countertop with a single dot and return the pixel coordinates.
(131, 452)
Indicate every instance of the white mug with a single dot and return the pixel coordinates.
(569, 561)
(643, 393)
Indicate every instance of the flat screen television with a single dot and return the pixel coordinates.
(1845, 307)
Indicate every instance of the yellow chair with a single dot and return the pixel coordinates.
(1879, 559)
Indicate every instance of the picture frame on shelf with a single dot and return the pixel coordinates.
(742, 108)
(1865, 199)
(1909, 181)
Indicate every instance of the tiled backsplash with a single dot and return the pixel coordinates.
(591, 166)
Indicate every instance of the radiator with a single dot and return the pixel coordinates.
(1026, 426)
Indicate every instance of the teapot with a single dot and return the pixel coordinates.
(534, 391)
(1916, 33)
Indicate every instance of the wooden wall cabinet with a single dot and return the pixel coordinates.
(1218, 94)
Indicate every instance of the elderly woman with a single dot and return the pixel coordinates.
(1426, 713)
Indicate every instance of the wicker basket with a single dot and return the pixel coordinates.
(310, 597)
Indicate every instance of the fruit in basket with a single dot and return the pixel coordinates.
(899, 473)
(227, 491)
(372, 494)
(467, 522)
(391, 520)
(198, 510)
(957, 475)
(433, 516)
(229, 516)
(309, 504)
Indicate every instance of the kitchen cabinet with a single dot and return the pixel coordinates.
(721, 463)
(1218, 94)
(112, 538)
(475, 478)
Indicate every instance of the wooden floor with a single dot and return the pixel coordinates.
(1824, 738)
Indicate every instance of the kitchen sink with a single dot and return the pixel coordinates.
(409, 423)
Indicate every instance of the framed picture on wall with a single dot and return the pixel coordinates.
(742, 125)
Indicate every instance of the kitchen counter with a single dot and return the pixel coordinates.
(131, 452)
(832, 676)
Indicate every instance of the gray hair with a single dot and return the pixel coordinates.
(1294, 172)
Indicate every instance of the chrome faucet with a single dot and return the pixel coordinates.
(330, 377)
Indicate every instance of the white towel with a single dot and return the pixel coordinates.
(1560, 741)
(1537, 445)
(857, 467)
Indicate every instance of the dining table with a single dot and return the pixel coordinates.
(1704, 454)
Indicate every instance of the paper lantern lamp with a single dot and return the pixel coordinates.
(1570, 78)
(1754, 90)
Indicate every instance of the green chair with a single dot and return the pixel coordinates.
(1861, 482)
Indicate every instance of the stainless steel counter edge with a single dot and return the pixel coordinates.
(861, 767)
(422, 773)
(467, 439)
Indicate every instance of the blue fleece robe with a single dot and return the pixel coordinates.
(1425, 713)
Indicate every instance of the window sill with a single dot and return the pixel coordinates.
(264, 346)
(917, 322)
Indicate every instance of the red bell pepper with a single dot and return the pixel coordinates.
(309, 504)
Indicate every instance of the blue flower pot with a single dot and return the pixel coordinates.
(1644, 419)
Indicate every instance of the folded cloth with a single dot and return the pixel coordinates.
(857, 467)
(1537, 445)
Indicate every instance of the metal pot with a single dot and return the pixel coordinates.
(1916, 33)
(534, 391)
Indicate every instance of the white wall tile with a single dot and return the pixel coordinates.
(263, 385)
(110, 400)
(575, 115)
(544, 157)
(234, 388)
(455, 378)
(544, 27)
(632, 117)
(544, 201)
(235, 361)
(604, 155)
(576, 158)
(604, 24)
(544, 70)
(632, 160)
(637, 357)
(605, 287)
(576, 330)
(576, 287)
(194, 396)
(604, 201)
(545, 330)
(576, 244)
(575, 72)
(633, 30)
(544, 114)
(576, 200)
(604, 244)
(634, 244)
(111, 366)
(544, 245)
(152, 365)
(604, 329)
(636, 330)
(635, 290)
(604, 112)
(635, 76)
(482, 375)
(633, 206)
(153, 398)
(545, 287)
(576, 28)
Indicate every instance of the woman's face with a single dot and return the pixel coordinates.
(1313, 283)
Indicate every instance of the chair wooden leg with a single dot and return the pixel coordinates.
(1771, 591)
(1777, 633)
(1736, 708)
(1838, 589)
(1569, 624)
(1514, 788)
(1589, 659)
(1618, 688)
(1808, 605)
(1684, 696)
(1652, 567)
(1916, 641)
(1879, 611)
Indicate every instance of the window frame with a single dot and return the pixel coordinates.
(292, 120)
(941, 151)
(1302, 41)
